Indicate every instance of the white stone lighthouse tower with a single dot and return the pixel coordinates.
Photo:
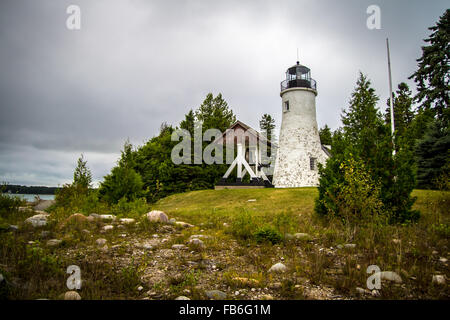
(299, 146)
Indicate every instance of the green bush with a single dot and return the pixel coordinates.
(268, 234)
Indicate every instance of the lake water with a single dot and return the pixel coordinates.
(30, 197)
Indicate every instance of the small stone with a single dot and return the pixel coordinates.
(216, 295)
(390, 276)
(226, 225)
(127, 220)
(108, 217)
(246, 281)
(101, 242)
(251, 200)
(86, 231)
(275, 285)
(443, 260)
(434, 252)
(339, 246)
(140, 288)
(179, 247)
(54, 242)
(108, 227)
(302, 236)
(72, 295)
(184, 224)
(350, 245)
(360, 290)
(95, 216)
(157, 216)
(438, 279)
(155, 236)
(172, 221)
(375, 293)
(278, 267)
(236, 293)
(266, 297)
(289, 236)
(396, 241)
(182, 298)
(13, 227)
(197, 243)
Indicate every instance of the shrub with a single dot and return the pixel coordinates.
(268, 234)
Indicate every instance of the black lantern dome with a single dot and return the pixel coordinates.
(298, 76)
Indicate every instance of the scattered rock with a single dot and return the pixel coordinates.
(199, 236)
(54, 242)
(375, 293)
(38, 220)
(443, 260)
(246, 281)
(196, 243)
(390, 276)
(434, 252)
(362, 291)
(95, 216)
(266, 297)
(108, 227)
(350, 245)
(302, 236)
(275, 285)
(127, 220)
(101, 242)
(179, 247)
(340, 246)
(182, 298)
(72, 295)
(79, 217)
(172, 221)
(86, 231)
(226, 225)
(140, 288)
(251, 200)
(216, 295)
(108, 217)
(396, 241)
(288, 236)
(278, 267)
(184, 224)
(13, 227)
(157, 216)
(24, 209)
(438, 279)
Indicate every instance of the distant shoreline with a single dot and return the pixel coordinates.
(29, 190)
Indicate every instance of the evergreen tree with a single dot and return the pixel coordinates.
(123, 181)
(214, 113)
(325, 135)
(82, 176)
(267, 125)
(189, 122)
(433, 155)
(366, 139)
(432, 76)
(403, 113)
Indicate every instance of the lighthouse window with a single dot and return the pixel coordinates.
(286, 106)
(313, 163)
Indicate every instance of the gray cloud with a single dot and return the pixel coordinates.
(135, 64)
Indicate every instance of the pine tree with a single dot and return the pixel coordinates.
(123, 181)
(433, 155)
(82, 176)
(432, 76)
(267, 125)
(325, 135)
(366, 139)
(403, 113)
(214, 113)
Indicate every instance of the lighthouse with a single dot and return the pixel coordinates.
(299, 147)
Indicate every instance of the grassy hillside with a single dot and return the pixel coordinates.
(240, 235)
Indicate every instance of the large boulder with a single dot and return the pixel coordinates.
(157, 216)
(38, 220)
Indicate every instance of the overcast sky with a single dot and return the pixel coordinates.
(136, 63)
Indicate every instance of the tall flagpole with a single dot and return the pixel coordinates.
(391, 102)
